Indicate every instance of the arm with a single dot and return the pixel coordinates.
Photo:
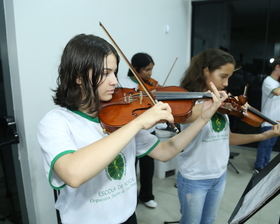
(80, 166)
(170, 148)
(241, 139)
(276, 91)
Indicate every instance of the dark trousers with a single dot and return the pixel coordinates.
(146, 165)
(264, 150)
(132, 220)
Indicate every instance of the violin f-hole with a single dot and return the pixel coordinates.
(146, 108)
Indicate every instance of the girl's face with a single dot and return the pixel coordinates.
(109, 81)
(146, 73)
(219, 76)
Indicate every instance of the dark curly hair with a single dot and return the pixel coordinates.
(82, 54)
(194, 79)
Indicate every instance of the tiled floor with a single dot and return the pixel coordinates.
(168, 204)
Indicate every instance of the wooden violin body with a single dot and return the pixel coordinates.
(127, 104)
(150, 84)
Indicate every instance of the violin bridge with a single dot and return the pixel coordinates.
(141, 97)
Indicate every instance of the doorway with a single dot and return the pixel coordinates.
(247, 31)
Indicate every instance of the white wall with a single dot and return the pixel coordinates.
(37, 32)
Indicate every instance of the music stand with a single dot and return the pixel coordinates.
(261, 189)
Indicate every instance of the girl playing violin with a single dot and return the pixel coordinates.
(203, 163)
(94, 171)
(144, 64)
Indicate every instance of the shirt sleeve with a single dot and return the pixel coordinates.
(269, 84)
(55, 141)
(145, 143)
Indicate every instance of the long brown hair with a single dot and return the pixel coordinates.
(82, 54)
(194, 79)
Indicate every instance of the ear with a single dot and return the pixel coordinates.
(206, 71)
(79, 80)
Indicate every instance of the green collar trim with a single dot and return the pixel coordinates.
(86, 116)
(133, 80)
(273, 78)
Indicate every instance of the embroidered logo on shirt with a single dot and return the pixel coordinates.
(218, 122)
(116, 169)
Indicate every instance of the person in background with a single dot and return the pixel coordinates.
(94, 170)
(270, 107)
(144, 64)
(201, 177)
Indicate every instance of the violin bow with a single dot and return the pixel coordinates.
(136, 75)
(245, 90)
(169, 72)
(236, 69)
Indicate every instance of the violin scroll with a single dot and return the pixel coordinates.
(151, 84)
(242, 99)
(252, 116)
(231, 103)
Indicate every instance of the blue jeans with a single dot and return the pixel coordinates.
(200, 199)
(264, 150)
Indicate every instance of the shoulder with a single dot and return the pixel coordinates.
(127, 82)
(124, 80)
(56, 113)
(269, 84)
(270, 80)
(56, 118)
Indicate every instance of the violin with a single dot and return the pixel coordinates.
(127, 104)
(252, 117)
(150, 84)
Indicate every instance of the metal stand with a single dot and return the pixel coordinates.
(171, 222)
(56, 193)
(231, 156)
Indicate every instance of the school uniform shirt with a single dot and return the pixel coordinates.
(128, 82)
(206, 157)
(270, 102)
(109, 197)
